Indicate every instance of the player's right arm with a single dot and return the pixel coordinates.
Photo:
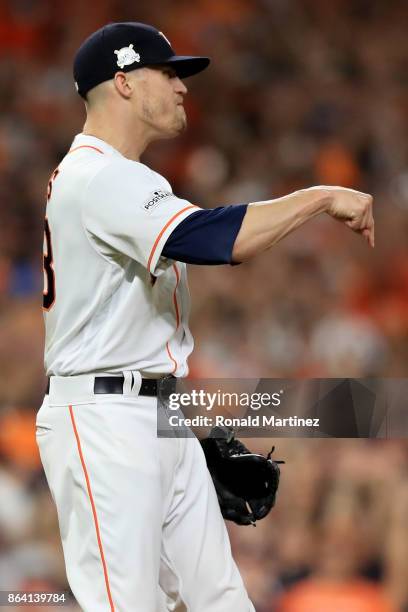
(131, 210)
(266, 223)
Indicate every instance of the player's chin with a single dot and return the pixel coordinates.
(175, 126)
(178, 126)
(181, 120)
(182, 125)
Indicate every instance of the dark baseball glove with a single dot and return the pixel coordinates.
(246, 483)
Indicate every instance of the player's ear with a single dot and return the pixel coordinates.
(123, 84)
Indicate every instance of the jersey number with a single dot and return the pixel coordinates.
(49, 275)
(48, 264)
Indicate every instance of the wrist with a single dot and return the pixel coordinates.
(321, 198)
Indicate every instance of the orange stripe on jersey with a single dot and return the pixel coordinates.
(85, 147)
(95, 517)
(176, 308)
(172, 358)
(156, 242)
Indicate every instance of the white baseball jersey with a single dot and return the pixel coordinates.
(112, 303)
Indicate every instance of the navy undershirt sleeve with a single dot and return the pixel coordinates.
(206, 237)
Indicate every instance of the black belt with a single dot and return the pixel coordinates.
(114, 384)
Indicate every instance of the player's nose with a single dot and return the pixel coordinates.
(179, 86)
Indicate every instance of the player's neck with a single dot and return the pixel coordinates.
(130, 145)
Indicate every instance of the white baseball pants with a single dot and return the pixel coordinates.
(135, 511)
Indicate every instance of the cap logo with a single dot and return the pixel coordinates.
(126, 56)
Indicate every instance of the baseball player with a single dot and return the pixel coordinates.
(136, 511)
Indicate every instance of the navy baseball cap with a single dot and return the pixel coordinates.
(124, 47)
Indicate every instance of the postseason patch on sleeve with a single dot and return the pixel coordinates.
(155, 198)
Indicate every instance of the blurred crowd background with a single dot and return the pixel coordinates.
(300, 92)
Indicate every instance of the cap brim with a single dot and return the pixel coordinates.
(185, 65)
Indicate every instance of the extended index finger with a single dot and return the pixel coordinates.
(369, 233)
(370, 225)
(372, 235)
